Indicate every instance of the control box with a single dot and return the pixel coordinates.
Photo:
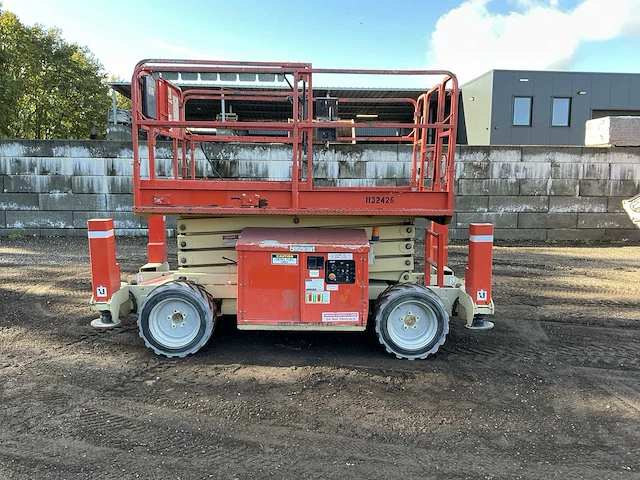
(303, 276)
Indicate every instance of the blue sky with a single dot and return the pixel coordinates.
(467, 37)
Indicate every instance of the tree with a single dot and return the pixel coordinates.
(48, 88)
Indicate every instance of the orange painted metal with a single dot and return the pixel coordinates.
(157, 246)
(478, 273)
(436, 251)
(278, 285)
(105, 271)
(430, 189)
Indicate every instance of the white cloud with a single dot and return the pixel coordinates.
(470, 40)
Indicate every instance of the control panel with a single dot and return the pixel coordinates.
(315, 262)
(341, 271)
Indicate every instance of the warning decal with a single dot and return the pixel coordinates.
(230, 240)
(284, 259)
(317, 297)
(340, 316)
(341, 256)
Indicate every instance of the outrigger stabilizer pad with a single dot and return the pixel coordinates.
(105, 321)
(480, 323)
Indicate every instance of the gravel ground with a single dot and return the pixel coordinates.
(553, 391)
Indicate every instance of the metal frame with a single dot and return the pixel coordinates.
(433, 138)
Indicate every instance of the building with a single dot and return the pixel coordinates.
(519, 107)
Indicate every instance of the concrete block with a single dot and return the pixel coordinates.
(622, 155)
(19, 232)
(135, 232)
(608, 188)
(614, 204)
(590, 171)
(19, 201)
(472, 170)
(63, 232)
(384, 170)
(102, 184)
(32, 219)
(624, 171)
(520, 170)
(549, 187)
(37, 183)
(355, 169)
(268, 170)
(547, 220)
(596, 155)
(577, 204)
(120, 166)
(488, 187)
(19, 165)
(34, 148)
(471, 203)
(569, 234)
(492, 153)
(119, 203)
(554, 154)
(538, 234)
(499, 220)
(356, 182)
(604, 220)
(72, 201)
(120, 219)
(100, 149)
(622, 234)
(72, 166)
(508, 203)
(459, 233)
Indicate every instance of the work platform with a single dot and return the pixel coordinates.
(312, 124)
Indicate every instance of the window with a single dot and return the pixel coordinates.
(522, 111)
(560, 112)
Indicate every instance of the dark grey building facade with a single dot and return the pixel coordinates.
(507, 107)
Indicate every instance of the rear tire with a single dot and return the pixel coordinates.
(177, 319)
(411, 321)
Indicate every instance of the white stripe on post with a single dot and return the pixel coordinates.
(97, 234)
(481, 238)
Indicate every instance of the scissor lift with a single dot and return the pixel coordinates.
(292, 253)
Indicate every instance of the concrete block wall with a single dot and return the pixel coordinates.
(528, 193)
(51, 188)
(546, 193)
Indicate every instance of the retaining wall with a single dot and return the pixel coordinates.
(528, 193)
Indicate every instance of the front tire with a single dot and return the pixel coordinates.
(411, 321)
(177, 319)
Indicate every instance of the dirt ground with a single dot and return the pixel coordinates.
(553, 391)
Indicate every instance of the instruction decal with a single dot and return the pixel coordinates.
(302, 248)
(332, 287)
(340, 317)
(315, 284)
(341, 256)
(101, 291)
(482, 296)
(314, 273)
(284, 259)
(317, 297)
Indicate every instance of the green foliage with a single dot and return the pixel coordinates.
(48, 88)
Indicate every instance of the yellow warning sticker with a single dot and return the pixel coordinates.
(284, 259)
